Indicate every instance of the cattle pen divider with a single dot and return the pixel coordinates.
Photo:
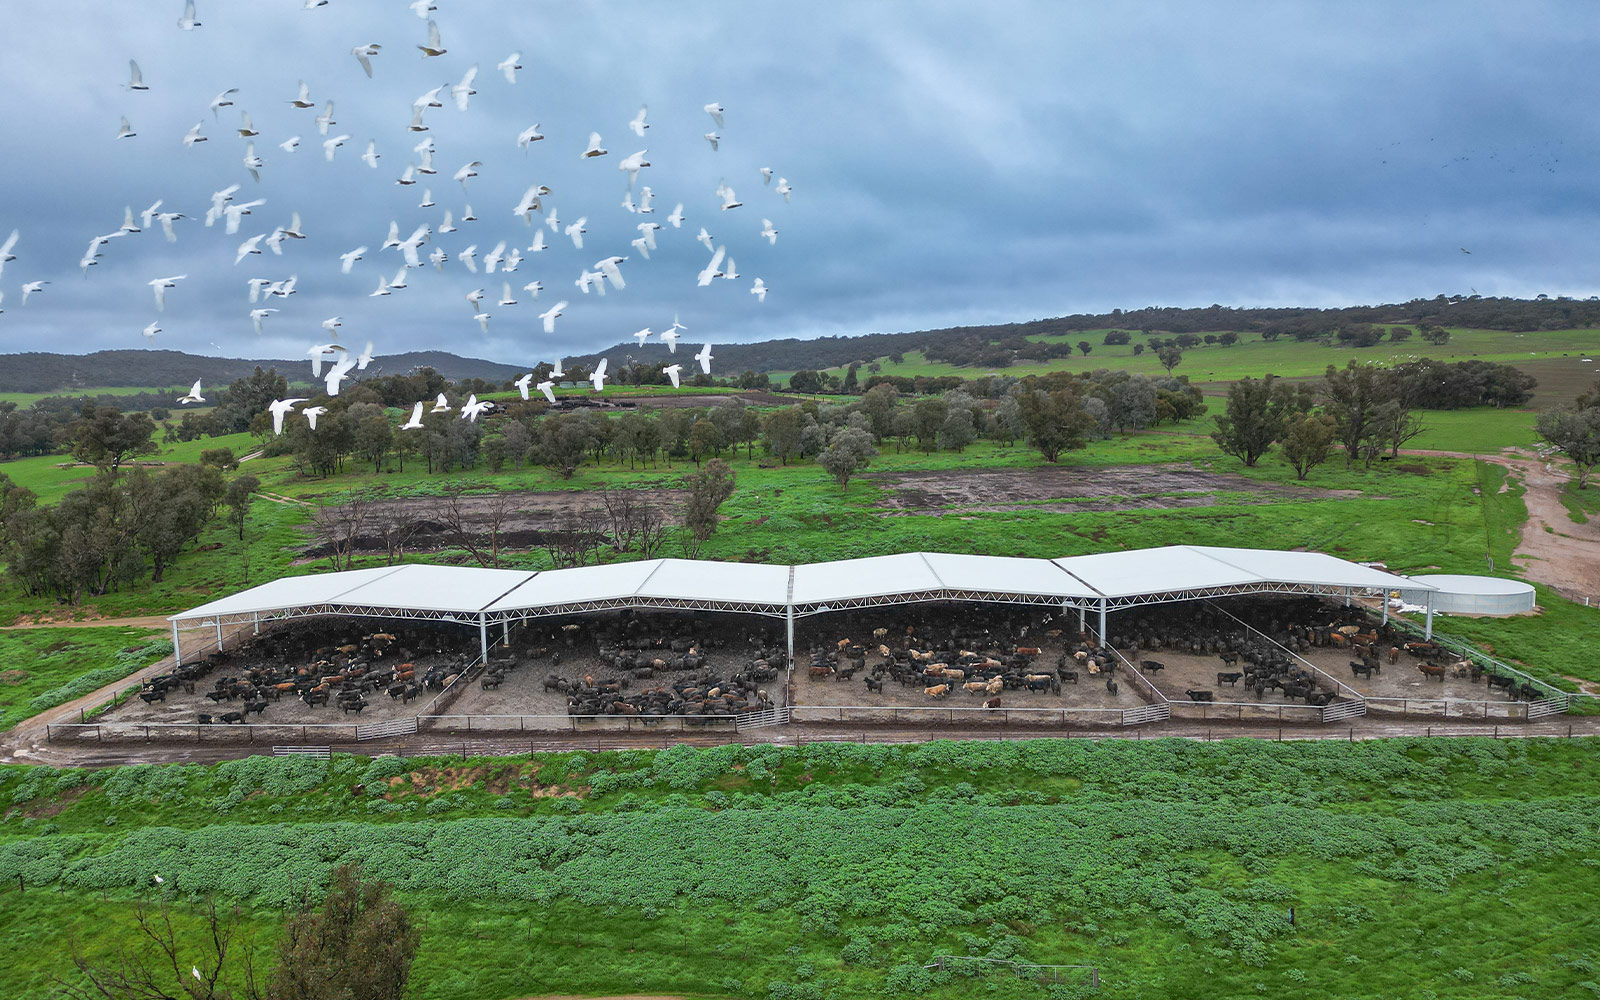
(921, 714)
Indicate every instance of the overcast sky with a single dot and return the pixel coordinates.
(952, 163)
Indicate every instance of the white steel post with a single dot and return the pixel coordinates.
(255, 619)
(1386, 607)
(483, 636)
(219, 633)
(1103, 640)
(1347, 597)
(1427, 627)
(177, 647)
(1083, 618)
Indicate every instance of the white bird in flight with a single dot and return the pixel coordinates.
(714, 139)
(713, 269)
(594, 148)
(549, 316)
(638, 124)
(280, 407)
(252, 162)
(506, 298)
(364, 54)
(609, 267)
(290, 144)
(470, 170)
(137, 82)
(257, 315)
(434, 46)
(716, 111)
(194, 394)
(676, 218)
(415, 423)
(704, 357)
(316, 354)
(302, 98)
(522, 385)
(325, 120)
(188, 22)
(222, 101)
(784, 189)
(548, 388)
(632, 164)
(126, 131)
(770, 233)
(463, 91)
(247, 128)
(193, 136)
(472, 409)
(348, 260)
(160, 285)
(671, 371)
(248, 247)
(311, 413)
(371, 156)
(642, 335)
(759, 290)
(440, 405)
(149, 331)
(533, 288)
(599, 376)
(339, 372)
(365, 357)
(528, 135)
(329, 145)
(30, 288)
(510, 65)
(729, 199)
(576, 231)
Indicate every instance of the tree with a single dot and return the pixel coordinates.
(373, 435)
(1397, 425)
(1436, 335)
(477, 524)
(1170, 357)
(930, 416)
(1228, 339)
(339, 528)
(851, 450)
(1056, 421)
(806, 381)
(358, 945)
(1576, 434)
(1008, 425)
(222, 458)
(1354, 396)
(708, 488)
(106, 436)
(1256, 412)
(149, 963)
(237, 499)
(1307, 439)
(879, 405)
(562, 443)
(704, 439)
(958, 429)
(1085, 347)
(780, 433)
(1132, 403)
(1138, 349)
(1114, 337)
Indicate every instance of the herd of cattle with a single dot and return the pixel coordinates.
(659, 665)
(320, 664)
(983, 652)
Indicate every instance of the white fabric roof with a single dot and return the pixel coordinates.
(1156, 572)
(700, 580)
(872, 576)
(290, 591)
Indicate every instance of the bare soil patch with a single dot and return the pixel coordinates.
(534, 517)
(1059, 489)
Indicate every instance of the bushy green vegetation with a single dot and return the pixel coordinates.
(42, 668)
(839, 869)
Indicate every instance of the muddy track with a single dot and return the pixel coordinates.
(1554, 550)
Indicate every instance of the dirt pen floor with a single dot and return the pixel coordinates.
(538, 649)
(1087, 701)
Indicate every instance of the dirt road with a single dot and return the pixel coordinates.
(141, 621)
(1554, 550)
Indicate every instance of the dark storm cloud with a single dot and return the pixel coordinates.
(953, 163)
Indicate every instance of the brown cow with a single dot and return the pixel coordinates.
(976, 687)
(1029, 650)
(1432, 670)
(937, 691)
(1394, 654)
(992, 703)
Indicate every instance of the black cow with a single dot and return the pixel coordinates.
(233, 717)
(1198, 695)
(1152, 665)
(1229, 678)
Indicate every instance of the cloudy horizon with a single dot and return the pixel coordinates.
(951, 166)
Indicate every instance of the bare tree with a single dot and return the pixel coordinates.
(339, 528)
(149, 965)
(397, 524)
(477, 527)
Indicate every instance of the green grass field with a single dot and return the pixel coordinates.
(1254, 356)
(1448, 868)
(42, 668)
(26, 399)
(52, 476)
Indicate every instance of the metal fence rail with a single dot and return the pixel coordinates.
(1468, 651)
(924, 714)
(553, 723)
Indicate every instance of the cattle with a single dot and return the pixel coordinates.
(1111, 684)
(1069, 676)
(492, 682)
(819, 672)
(1527, 692)
(352, 705)
(1433, 670)
(992, 703)
(233, 717)
(1229, 659)
(255, 706)
(875, 684)
(1152, 666)
(1229, 678)
(1500, 681)
(1359, 669)
(205, 720)
(1394, 655)
(1198, 695)
(976, 687)
(1028, 651)
(1320, 698)
(937, 691)
(153, 696)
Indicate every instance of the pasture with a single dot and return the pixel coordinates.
(42, 668)
(1414, 866)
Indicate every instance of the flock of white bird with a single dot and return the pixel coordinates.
(531, 209)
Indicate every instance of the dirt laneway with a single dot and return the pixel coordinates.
(1554, 550)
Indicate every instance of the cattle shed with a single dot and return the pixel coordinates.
(1100, 583)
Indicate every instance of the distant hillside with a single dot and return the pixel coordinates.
(996, 346)
(67, 373)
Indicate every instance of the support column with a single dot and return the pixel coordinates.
(1347, 597)
(1083, 618)
(1103, 640)
(177, 647)
(255, 621)
(483, 636)
(1386, 607)
(790, 622)
(219, 633)
(505, 632)
(1427, 625)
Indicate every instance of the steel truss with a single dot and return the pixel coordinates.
(639, 603)
(927, 597)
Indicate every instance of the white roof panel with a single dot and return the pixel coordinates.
(1306, 567)
(704, 580)
(613, 581)
(873, 576)
(438, 588)
(1005, 575)
(1153, 571)
(289, 592)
